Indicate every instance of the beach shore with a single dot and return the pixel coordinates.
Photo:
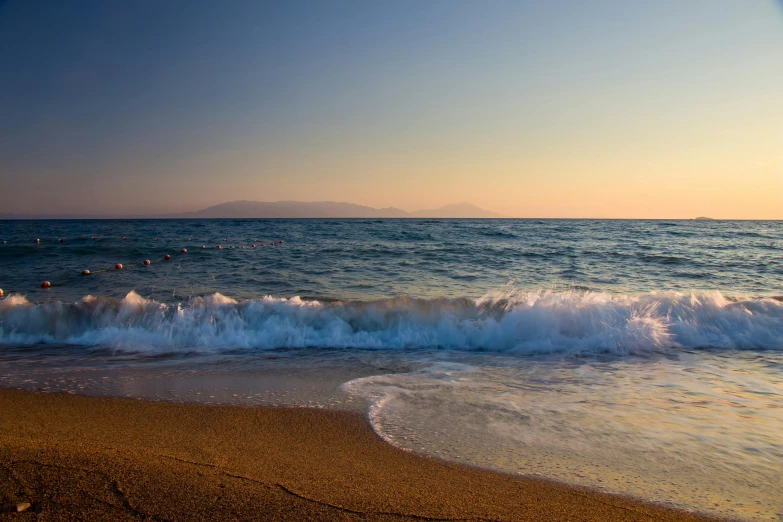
(90, 458)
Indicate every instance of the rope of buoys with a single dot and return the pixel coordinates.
(120, 266)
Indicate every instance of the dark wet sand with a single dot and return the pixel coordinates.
(89, 458)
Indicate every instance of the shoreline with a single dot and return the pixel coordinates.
(100, 458)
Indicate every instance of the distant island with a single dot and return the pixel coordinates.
(703, 218)
(289, 209)
(329, 209)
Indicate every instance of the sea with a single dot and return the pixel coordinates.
(638, 357)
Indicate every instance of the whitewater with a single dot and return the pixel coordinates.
(524, 323)
(639, 357)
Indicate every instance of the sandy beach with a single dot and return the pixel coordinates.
(89, 458)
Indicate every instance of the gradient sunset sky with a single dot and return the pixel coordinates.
(627, 108)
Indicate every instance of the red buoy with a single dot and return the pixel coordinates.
(243, 246)
(125, 238)
(184, 250)
(219, 247)
(62, 240)
(202, 246)
(253, 245)
(1, 292)
(95, 237)
(118, 266)
(272, 243)
(262, 244)
(85, 272)
(157, 239)
(146, 262)
(37, 240)
(232, 246)
(280, 242)
(225, 239)
(191, 239)
(166, 257)
(46, 284)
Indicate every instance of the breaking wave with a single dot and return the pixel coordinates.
(570, 322)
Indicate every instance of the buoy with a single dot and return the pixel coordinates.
(272, 243)
(157, 239)
(118, 266)
(243, 246)
(37, 240)
(262, 244)
(95, 237)
(191, 239)
(253, 245)
(219, 247)
(202, 246)
(1, 292)
(62, 240)
(146, 262)
(184, 250)
(125, 238)
(46, 284)
(280, 242)
(166, 257)
(225, 239)
(85, 272)
(232, 246)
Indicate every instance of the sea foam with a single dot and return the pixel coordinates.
(512, 322)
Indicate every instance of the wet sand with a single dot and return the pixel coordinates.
(91, 458)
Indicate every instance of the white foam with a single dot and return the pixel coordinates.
(516, 322)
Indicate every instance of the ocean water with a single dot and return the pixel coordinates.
(640, 357)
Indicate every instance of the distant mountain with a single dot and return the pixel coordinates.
(290, 209)
(328, 209)
(459, 210)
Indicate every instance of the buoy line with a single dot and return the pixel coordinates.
(120, 266)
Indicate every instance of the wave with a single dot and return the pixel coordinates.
(510, 321)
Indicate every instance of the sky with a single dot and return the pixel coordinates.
(551, 108)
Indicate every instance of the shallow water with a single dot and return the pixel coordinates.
(641, 357)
